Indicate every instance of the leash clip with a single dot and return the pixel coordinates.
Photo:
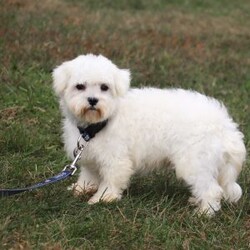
(80, 146)
(70, 167)
(77, 154)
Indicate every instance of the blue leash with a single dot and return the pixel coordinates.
(61, 176)
(68, 171)
(86, 133)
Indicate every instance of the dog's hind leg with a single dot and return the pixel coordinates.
(202, 180)
(227, 179)
(233, 161)
(234, 156)
(207, 193)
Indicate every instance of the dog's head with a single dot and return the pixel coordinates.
(88, 87)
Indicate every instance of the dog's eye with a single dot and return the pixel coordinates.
(104, 87)
(80, 86)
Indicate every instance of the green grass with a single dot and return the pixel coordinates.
(203, 45)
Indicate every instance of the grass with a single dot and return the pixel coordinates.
(203, 45)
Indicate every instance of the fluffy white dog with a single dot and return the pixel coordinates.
(145, 128)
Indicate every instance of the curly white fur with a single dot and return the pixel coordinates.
(145, 128)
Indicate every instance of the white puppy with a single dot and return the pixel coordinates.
(145, 128)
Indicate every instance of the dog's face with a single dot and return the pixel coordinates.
(89, 86)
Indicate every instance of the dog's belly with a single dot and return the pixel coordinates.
(148, 165)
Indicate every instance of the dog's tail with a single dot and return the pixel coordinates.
(234, 157)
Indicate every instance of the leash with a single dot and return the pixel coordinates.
(86, 134)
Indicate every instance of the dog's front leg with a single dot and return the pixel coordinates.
(114, 179)
(87, 183)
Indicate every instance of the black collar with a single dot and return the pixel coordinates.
(90, 131)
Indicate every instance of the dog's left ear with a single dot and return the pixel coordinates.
(122, 79)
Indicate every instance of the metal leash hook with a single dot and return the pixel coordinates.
(79, 146)
(77, 154)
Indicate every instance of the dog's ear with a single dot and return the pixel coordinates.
(122, 81)
(60, 78)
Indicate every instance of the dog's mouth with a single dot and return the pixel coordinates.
(91, 114)
(91, 109)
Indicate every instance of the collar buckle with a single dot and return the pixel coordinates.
(89, 132)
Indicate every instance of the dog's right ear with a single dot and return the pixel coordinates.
(60, 78)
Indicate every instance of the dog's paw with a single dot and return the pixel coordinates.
(82, 190)
(193, 201)
(106, 198)
(208, 209)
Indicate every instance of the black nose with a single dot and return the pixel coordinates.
(92, 101)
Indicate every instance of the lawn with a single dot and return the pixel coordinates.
(202, 45)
